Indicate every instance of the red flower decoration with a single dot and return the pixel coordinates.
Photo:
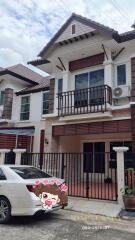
(52, 181)
(63, 187)
(37, 182)
(58, 182)
(46, 182)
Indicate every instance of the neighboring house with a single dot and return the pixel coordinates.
(91, 102)
(22, 93)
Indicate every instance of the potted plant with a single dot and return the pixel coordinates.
(129, 198)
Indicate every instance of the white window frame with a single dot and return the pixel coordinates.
(116, 75)
(0, 96)
(88, 70)
(42, 103)
(28, 95)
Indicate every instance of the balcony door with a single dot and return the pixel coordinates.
(92, 96)
(94, 157)
(81, 85)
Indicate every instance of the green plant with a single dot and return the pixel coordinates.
(129, 191)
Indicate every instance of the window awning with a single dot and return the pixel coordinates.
(18, 131)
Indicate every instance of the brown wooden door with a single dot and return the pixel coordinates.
(42, 139)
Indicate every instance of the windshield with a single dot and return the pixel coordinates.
(30, 172)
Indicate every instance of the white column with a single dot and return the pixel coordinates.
(107, 150)
(65, 80)
(2, 155)
(18, 155)
(120, 173)
(108, 73)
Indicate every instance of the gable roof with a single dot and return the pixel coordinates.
(119, 38)
(23, 73)
(42, 86)
(100, 27)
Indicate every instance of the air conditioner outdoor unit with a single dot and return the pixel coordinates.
(121, 92)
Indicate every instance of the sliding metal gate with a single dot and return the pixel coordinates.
(85, 178)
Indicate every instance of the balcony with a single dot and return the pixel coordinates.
(84, 101)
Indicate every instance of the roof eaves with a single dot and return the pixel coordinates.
(95, 24)
(23, 92)
(27, 127)
(38, 62)
(123, 37)
(7, 71)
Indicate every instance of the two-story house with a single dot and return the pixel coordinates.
(91, 105)
(23, 103)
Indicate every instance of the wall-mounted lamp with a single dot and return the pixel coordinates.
(46, 141)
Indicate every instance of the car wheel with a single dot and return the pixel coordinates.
(5, 210)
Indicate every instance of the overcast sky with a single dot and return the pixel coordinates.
(27, 25)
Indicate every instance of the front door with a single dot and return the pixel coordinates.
(94, 157)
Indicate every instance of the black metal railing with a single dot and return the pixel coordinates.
(88, 100)
(88, 175)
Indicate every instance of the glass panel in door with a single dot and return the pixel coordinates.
(88, 157)
(96, 82)
(81, 97)
(94, 157)
(99, 157)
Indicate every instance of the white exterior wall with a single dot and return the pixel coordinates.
(35, 107)
(76, 142)
(35, 119)
(110, 72)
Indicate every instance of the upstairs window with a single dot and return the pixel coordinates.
(1, 98)
(121, 74)
(73, 29)
(60, 85)
(25, 108)
(45, 102)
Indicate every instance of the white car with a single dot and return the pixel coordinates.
(16, 195)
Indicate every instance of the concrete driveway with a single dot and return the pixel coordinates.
(67, 225)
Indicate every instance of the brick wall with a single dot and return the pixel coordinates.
(8, 100)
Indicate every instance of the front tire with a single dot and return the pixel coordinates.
(5, 210)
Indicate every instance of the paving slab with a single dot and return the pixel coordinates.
(100, 207)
